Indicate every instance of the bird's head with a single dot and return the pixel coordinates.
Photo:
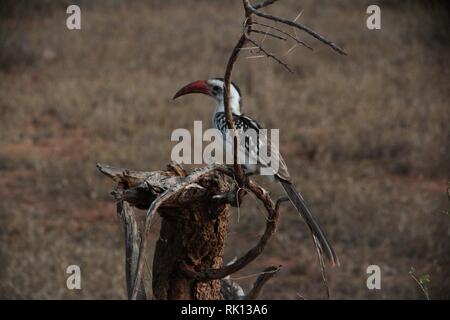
(214, 88)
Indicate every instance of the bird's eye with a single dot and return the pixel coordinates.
(216, 89)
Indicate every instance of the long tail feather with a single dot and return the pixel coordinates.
(317, 232)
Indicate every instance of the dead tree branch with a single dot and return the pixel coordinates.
(255, 189)
(166, 191)
(297, 25)
(264, 4)
(232, 291)
(126, 215)
(287, 34)
(245, 37)
(270, 55)
(262, 279)
(267, 33)
(170, 192)
(193, 226)
(273, 216)
(226, 94)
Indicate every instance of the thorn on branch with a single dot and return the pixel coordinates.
(298, 16)
(290, 50)
(297, 25)
(287, 34)
(270, 55)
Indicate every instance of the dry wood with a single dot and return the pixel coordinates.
(188, 255)
(131, 232)
(252, 254)
(294, 24)
(300, 42)
(262, 279)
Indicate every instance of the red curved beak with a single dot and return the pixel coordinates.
(200, 86)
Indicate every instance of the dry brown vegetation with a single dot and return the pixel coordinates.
(364, 136)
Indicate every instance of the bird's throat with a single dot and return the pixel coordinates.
(234, 106)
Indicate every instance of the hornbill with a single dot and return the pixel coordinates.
(214, 88)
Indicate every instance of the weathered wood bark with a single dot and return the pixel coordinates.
(131, 235)
(194, 209)
(194, 234)
(193, 227)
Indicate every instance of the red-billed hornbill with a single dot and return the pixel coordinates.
(214, 89)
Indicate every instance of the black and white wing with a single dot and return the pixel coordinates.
(252, 144)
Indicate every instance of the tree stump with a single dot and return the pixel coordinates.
(194, 209)
(194, 233)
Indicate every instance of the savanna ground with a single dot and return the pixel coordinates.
(364, 136)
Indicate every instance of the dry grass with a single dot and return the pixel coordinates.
(365, 137)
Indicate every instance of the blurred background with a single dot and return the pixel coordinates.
(364, 136)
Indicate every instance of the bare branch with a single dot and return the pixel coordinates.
(227, 79)
(249, 48)
(296, 25)
(249, 11)
(265, 276)
(285, 33)
(256, 57)
(252, 254)
(227, 83)
(270, 55)
(126, 215)
(234, 197)
(226, 95)
(421, 282)
(264, 4)
(267, 33)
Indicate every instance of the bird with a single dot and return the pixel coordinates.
(214, 88)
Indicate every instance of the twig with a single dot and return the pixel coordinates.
(420, 283)
(296, 25)
(287, 34)
(290, 50)
(256, 57)
(248, 48)
(233, 197)
(267, 33)
(126, 215)
(226, 95)
(252, 254)
(264, 4)
(298, 16)
(265, 276)
(270, 55)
